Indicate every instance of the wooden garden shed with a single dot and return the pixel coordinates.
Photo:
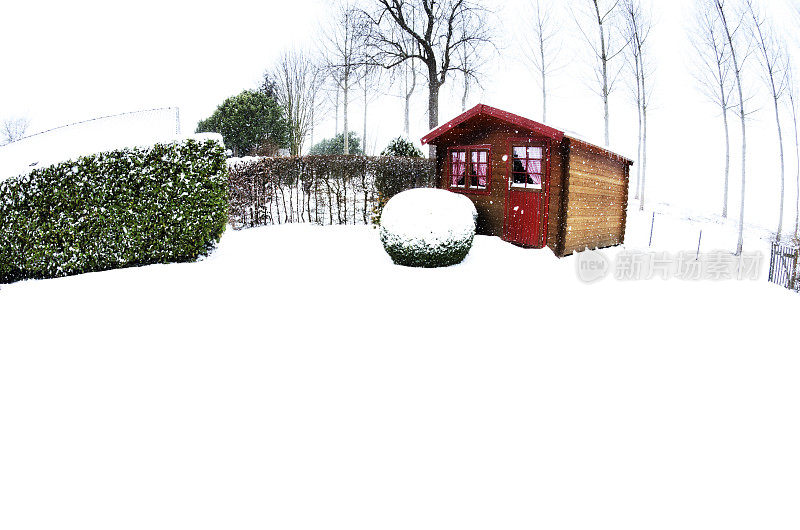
(533, 185)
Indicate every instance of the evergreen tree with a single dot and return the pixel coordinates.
(402, 147)
(247, 121)
(335, 145)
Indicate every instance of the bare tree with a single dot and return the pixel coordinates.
(336, 108)
(407, 77)
(794, 97)
(540, 45)
(773, 61)
(344, 55)
(471, 68)
(464, 60)
(369, 86)
(733, 31)
(409, 86)
(606, 46)
(318, 104)
(438, 30)
(637, 25)
(13, 129)
(714, 74)
(634, 83)
(296, 80)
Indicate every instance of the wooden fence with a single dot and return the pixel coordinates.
(783, 266)
(320, 189)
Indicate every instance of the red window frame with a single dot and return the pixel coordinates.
(468, 167)
(525, 162)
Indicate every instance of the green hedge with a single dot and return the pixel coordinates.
(166, 203)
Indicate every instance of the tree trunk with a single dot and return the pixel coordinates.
(727, 163)
(311, 128)
(544, 77)
(639, 145)
(783, 167)
(604, 64)
(644, 137)
(742, 116)
(797, 157)
(336, 130)
(344, 114)
(408, 93)
(364, 138)
(433, 109)
(644, 157)
(740, 242)
(605, 105)
(407, 120)
(466, 93)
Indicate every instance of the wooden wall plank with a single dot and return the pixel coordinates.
(596, 210)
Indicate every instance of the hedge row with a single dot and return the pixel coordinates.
(138, 206)
(321, 189)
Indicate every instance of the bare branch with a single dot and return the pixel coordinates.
(603, 17)
(13, 129)
(443, 36)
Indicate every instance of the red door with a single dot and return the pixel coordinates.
(528, 192)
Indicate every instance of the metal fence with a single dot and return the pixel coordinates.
(783, 266)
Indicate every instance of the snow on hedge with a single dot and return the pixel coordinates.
(37, 152)
(428, 227)
(166, 203)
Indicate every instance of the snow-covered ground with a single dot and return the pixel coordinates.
(298, 379)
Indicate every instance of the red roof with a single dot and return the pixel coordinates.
(486, 110)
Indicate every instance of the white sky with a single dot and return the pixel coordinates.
(69, 61)
(79, 59)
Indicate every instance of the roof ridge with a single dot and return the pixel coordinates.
(487, 110)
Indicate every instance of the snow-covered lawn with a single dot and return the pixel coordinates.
(298, 379)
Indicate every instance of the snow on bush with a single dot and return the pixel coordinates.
(428, 228)
(136, 206)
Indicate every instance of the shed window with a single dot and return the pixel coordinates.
(527, 167)
(478, 169)
(458, 166)
(469, 168)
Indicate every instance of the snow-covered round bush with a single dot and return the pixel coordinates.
(428, 228)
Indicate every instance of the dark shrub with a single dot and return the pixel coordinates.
(335, 145)
(166, 203)
(402, 147)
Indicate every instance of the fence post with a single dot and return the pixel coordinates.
(770, 278)
(697, 256)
